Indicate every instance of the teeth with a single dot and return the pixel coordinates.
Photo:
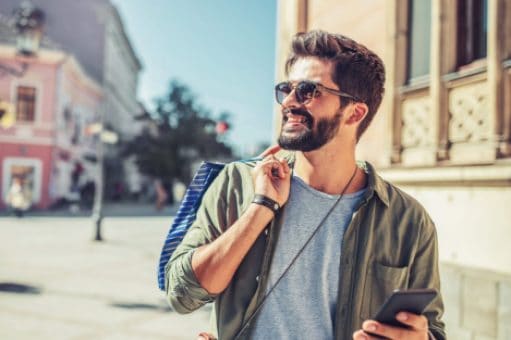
(297, 120)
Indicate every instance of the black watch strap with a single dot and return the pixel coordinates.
(267, 202)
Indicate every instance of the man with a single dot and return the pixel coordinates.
(307, 243)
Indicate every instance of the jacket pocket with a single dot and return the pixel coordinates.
(381, 280)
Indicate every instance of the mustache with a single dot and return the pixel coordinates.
(298, 112)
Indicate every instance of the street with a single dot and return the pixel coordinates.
(56, 283)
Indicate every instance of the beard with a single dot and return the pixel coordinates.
(313, 136)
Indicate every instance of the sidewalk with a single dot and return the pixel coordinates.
(110, 209)
(55, 283)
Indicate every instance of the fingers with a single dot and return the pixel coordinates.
(285, 166)
(270, 151)
(383, 330)
(418, 330)
(273, 167)
(271, 178)
(418, 322)
(205, 336)
(361, 335)
(279, 168)
(374, 330)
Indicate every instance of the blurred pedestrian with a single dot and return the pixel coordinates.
(161, 194)
(19, 197)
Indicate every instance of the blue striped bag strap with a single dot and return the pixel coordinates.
(187, 212)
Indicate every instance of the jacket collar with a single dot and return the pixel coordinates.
(375, 183)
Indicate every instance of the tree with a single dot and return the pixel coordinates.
(185, 135)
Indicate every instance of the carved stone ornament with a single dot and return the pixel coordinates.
(469, 114)
(417, 130)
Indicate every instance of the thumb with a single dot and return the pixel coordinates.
(205, 336)
(270, 151)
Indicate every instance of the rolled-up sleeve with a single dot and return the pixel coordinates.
(183, 290)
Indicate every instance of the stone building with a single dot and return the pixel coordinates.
(443, 132)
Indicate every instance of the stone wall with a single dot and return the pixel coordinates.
(477, 303)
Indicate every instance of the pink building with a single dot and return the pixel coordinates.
(84, 70)
(54, 101)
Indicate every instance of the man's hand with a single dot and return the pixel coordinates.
(205, 336)
(272, 176)
(374, 330)
(271, 150)
(215, 263)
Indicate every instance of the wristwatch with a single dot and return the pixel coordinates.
(267, 202)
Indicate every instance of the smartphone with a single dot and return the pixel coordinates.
(409, 300)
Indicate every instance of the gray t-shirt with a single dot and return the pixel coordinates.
(303, 305)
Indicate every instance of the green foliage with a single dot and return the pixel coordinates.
(185, 134)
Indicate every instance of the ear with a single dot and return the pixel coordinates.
(357, 113)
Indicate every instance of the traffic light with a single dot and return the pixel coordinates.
(7, 115)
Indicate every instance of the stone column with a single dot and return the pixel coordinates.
(291, 18)
(495, 71)
(435, 84)
(397, 35)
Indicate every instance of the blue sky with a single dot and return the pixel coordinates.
(224, 50)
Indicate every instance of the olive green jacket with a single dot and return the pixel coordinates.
(390, 243)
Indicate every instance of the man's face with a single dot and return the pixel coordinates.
(310, 125)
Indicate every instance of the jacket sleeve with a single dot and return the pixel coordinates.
(425, 273)
(183, 291)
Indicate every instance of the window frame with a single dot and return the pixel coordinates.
(28, 101)
(38, 100)
(421, 79)
(468, 45)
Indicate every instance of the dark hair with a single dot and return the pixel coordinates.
(357, 70)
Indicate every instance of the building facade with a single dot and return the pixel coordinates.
(443, 132)
(121, 68)
(85, 72)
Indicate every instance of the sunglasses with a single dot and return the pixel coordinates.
(305, 91)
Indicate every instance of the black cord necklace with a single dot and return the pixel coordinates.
(247, 323)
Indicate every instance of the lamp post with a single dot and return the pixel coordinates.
(109, 137)
(97, 209)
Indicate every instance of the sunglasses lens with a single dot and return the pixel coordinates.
(282, 90)
(305, 91)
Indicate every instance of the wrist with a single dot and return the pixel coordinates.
(261, 213)
(266, 202)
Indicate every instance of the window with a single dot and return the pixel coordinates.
(28, 169)
(419, 38)
(25, 104)
(472, 28)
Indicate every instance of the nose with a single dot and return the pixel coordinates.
(290, 100)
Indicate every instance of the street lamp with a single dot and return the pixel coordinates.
(28, 22)
(109, 137)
